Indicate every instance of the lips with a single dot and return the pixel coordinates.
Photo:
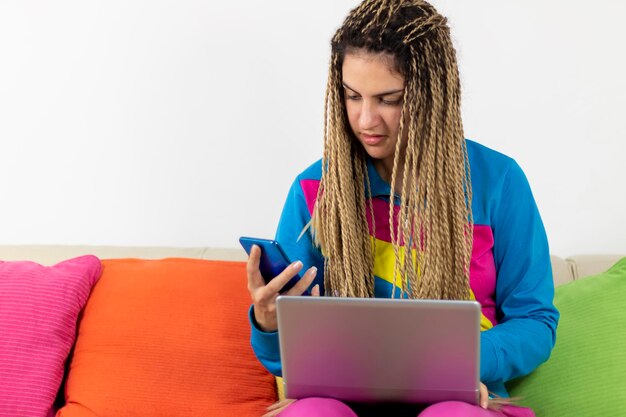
(372, 140)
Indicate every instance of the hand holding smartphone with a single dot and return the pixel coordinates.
(273, 261)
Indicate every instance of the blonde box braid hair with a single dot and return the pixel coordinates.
(434, 222)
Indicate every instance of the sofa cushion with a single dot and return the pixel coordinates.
(586, 265)
(39, 308)
(585, 374)
(167, 338)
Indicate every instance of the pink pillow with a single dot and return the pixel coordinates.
(39, 307)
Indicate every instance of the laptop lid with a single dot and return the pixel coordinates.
(380, 350)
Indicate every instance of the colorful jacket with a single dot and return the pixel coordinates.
(510, 270)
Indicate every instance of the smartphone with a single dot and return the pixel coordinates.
(273, 259)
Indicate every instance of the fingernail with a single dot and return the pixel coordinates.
(484, 405)
(313, 271)
(297, 264)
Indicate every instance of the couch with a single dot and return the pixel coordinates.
(163, 332)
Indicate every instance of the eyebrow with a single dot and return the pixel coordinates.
(385, 93)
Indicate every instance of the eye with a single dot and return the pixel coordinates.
(352, 96)
(391, 102)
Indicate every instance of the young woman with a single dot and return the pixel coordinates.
(397, 176)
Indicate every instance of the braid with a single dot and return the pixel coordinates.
(342, 231)
(431, 230)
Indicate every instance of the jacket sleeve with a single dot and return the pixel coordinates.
(527, 318)
(294, 218)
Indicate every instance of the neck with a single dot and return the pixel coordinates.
(384, 167)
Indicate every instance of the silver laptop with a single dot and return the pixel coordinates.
(380, 350)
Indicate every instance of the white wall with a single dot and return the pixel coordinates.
(183, 122)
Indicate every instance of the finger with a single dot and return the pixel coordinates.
(315, 292)
(273, 413)
(484, 396)
(280, 404)
(255, 279)
(278, 407)
(276, 284)
(304, 283)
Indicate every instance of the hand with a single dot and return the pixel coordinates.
(264, 296)
(483, 398)
(277, 408)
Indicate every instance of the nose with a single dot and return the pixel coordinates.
(369, 117)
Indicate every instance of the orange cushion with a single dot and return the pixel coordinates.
(167, 338)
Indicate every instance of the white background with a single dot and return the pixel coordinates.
(183, 122)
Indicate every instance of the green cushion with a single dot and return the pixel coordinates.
(586, 373)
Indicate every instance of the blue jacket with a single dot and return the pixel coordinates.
(510, 270)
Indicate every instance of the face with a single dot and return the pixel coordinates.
(373, 93)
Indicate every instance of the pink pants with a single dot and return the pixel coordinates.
(328, 407)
